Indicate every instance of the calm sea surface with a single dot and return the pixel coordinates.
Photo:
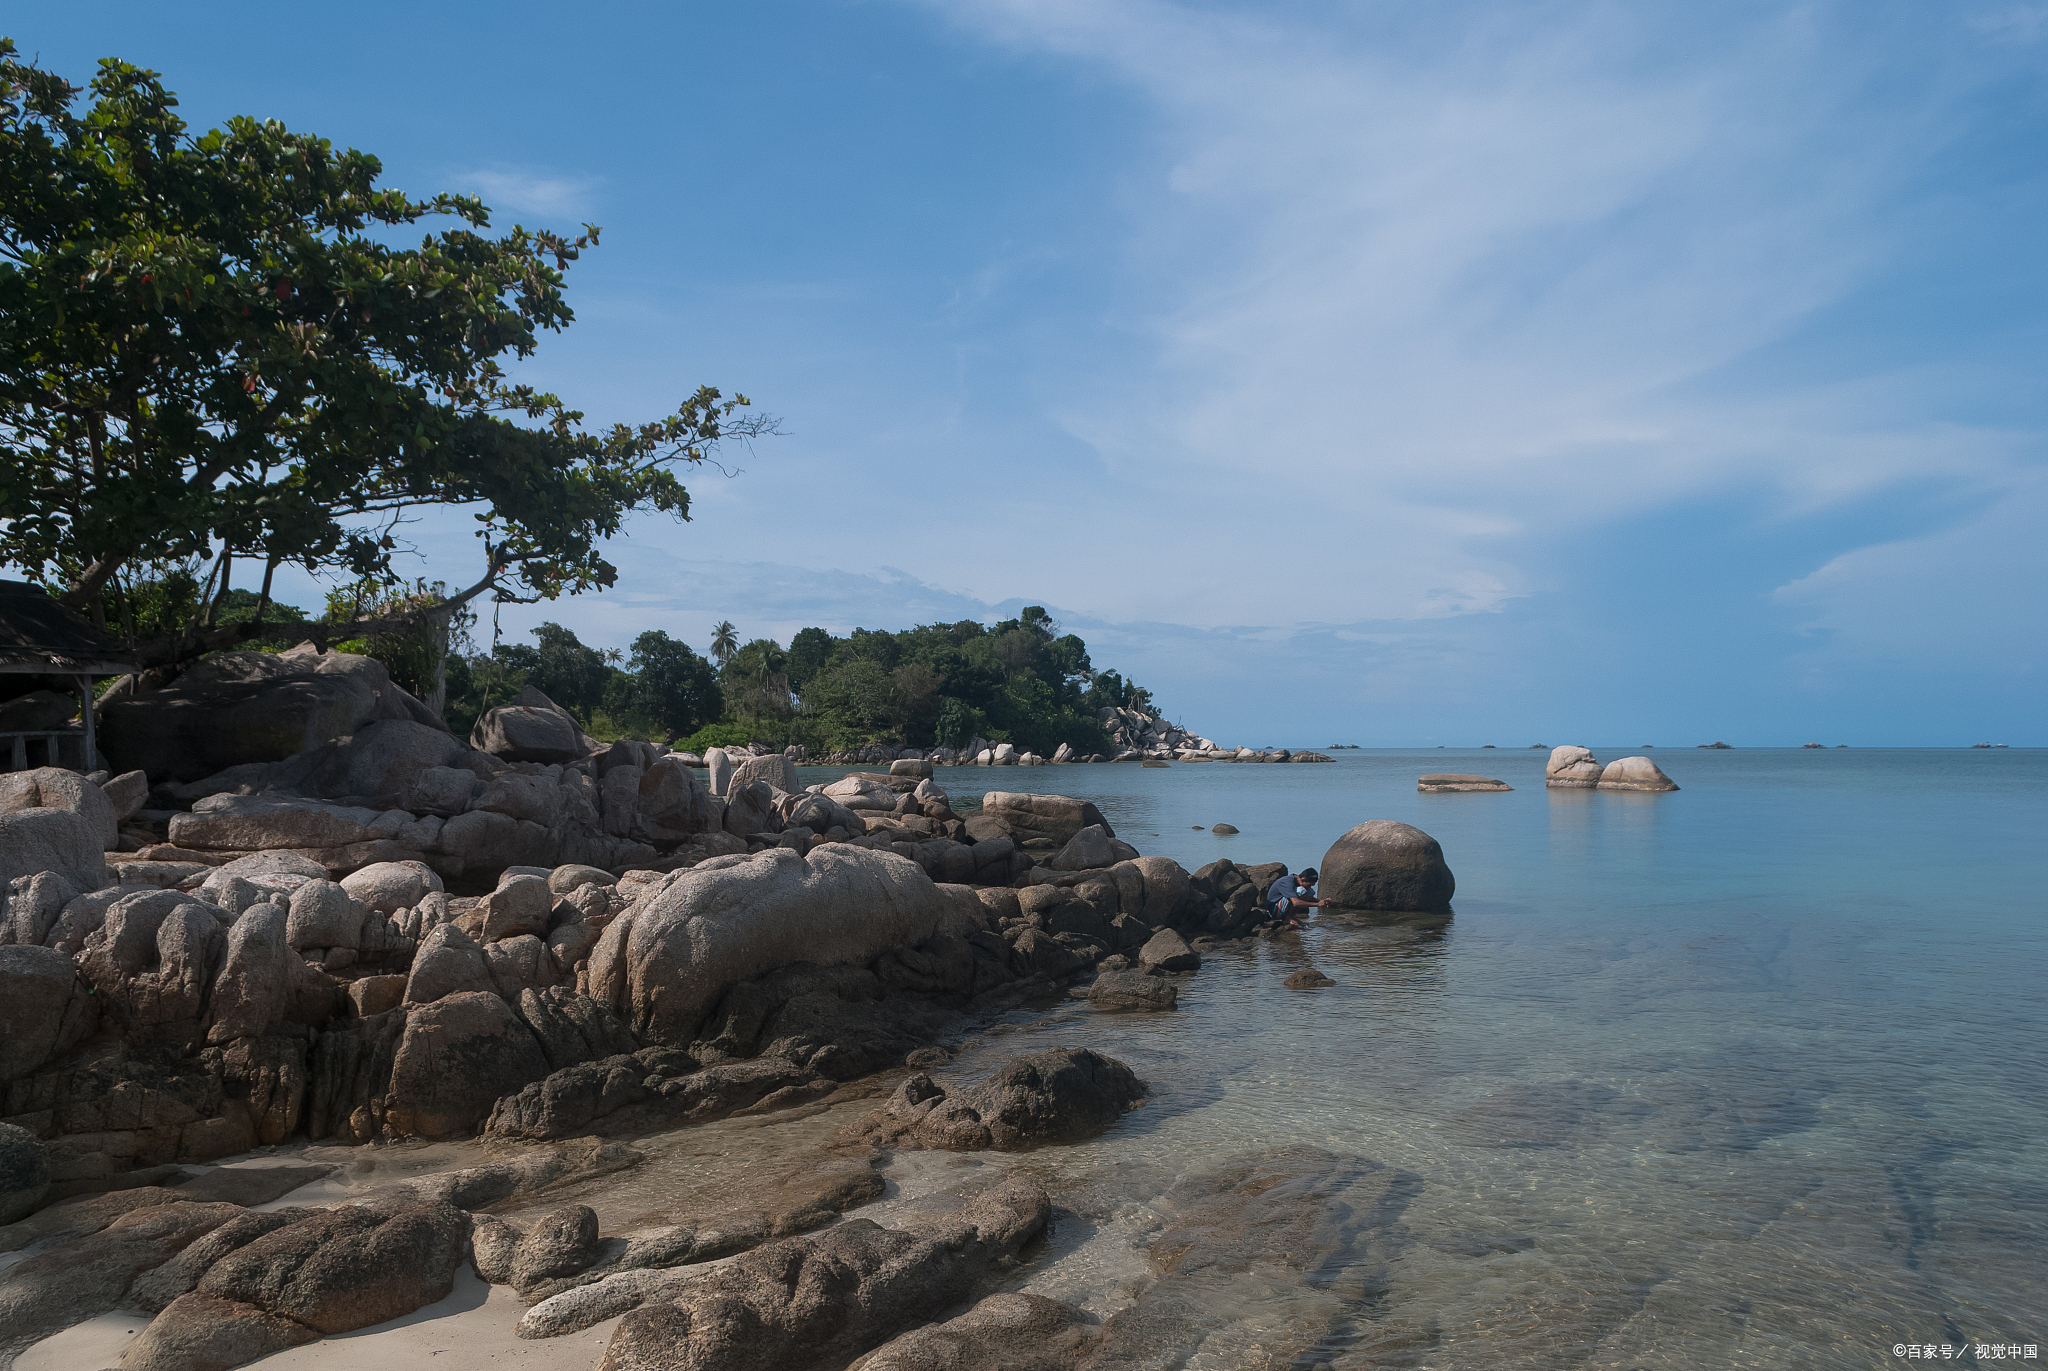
(1751, 1074)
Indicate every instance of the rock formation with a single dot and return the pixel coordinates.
(1057, 1096)
(1635, 773)
(1386, 865)
(1447, 783)
(235, 708)
(808, 1304)
(1571, 768)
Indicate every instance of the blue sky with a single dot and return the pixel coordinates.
(1396, 373)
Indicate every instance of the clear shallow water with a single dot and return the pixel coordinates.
(1748, 1074)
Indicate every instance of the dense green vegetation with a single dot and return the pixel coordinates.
(1020, 681)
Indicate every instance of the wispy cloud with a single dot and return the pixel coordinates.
(527, 191)
(1479, 278)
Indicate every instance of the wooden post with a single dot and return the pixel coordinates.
(20, 759)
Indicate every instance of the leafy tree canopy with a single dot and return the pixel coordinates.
(672, 686)
(212, 347)
(1019, 681)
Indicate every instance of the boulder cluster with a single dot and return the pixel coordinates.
(390, 933)
(1576, 768)
(334, 965)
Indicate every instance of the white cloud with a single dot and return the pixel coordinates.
(518, 190)
(1480, 272)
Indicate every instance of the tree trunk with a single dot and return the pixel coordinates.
(437, 699)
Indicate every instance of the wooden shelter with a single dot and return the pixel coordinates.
(39, 637)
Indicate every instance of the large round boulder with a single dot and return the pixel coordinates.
(665, 965)
(1385, 864)
(231, 708)
(1571, 768)
(387, 887)
(1041, 822)
(532, 728)
(43, 1009)
(1635, 773)
(54, 787)
(37, 840)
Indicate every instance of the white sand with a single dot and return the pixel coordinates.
(471, 1328)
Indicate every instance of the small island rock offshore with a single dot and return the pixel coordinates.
(1576, 768)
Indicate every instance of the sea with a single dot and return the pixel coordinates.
(1749, 1074)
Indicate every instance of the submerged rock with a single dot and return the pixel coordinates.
(1012, 1332)
(1449, 782)
(1132, 990)
(1062, 1095)
(1277, 1217)
(1308, 978)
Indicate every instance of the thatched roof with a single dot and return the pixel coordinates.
(39, 635)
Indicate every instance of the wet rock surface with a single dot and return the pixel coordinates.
(1058, 1096)
(1014, 1332)
(808, 1304)
(1271, 1219)
(1120, 990)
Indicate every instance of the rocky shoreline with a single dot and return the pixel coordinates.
(389, 935)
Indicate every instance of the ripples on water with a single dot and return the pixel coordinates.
(1748, 1074)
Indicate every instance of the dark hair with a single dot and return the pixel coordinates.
(1309, 876)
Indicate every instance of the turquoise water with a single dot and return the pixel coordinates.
(1750, 1074)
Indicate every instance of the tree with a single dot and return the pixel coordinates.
(859, 695)
(725, 640)
(210, 349)
(959, 722)
(754, 683)
(808, 653)
(673, 687)
(416, 654)
(563, 669)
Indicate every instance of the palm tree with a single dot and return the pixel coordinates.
(725, 640)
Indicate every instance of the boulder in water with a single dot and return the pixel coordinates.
(1571, 768)
(1123, 989)
(1635, 773)
(1063, 1095)
(1385, 864)
(1451, 783)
